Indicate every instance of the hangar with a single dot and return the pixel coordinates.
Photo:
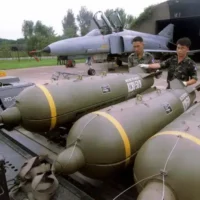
(184, 14)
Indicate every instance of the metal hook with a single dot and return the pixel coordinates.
(163, 172)
(139, 97)
(158, 90)
(80, 77)
(104, 73)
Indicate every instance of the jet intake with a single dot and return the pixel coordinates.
(116, 44)
(127, 41)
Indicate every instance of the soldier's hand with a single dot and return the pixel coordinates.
(144, 66)
(185, 83)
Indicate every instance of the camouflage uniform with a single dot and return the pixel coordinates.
(184, 71)
(133, 60)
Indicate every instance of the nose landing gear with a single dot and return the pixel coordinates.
(91, 71)
(118, 62)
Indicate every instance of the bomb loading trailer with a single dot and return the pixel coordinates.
(106, 190)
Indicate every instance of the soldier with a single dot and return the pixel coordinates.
(179, 66)
(139, 56)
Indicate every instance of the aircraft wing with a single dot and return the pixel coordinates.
(170, 51)
(194, 51)
(160, 51)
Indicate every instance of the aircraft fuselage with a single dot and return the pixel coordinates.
(116, 43)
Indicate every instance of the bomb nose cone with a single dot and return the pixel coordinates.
(10, 116)
(69, 161)
(154, 191)
(47, 49)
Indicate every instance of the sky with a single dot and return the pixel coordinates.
(51, 12)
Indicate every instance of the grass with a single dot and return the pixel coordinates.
(15, 64)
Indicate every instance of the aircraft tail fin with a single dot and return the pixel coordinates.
(143, 73)
(167, 32)
(177, 84)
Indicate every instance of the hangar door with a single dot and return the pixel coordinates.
(183, 27)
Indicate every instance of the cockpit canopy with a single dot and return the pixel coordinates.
(108, 25)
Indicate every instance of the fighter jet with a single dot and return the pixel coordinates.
(111, 40)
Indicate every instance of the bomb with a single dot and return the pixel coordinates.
(172, 154)
(105, 142)
(42, 108)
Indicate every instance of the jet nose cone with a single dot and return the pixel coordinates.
(47, 49)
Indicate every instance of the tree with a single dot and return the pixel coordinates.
(37, 36)
(41, 29)
(84, 19)
(129, 21)
(108, 12)
(69, 25)
(146, 14)
(27, 28)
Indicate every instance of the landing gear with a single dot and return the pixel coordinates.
(91, 72)
(70, 63)
(88, 62)
(118, 62)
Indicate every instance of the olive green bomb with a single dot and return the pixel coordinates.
(42, 108)
(154, 191)
(109, 138)
(172, 154)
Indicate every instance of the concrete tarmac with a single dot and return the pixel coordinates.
(43, 75)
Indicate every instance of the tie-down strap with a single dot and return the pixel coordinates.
(36, 180)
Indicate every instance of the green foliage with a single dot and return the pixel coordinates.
(37, 35)
(41, 29)
(129, 21)
(69, 26)
(27, 28)
(5, 50)
(84, 19)
(146, 14)
(2, 41)
(12, 54)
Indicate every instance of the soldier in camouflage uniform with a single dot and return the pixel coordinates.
(180, 66)
(139, 56)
